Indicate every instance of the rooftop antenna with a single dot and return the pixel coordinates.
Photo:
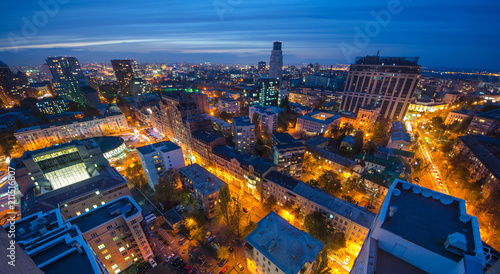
(378, 52)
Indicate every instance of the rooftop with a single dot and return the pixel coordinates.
(83, 120)
(282, 179)
(108, 143)
(320, 117)
(486, 149)
(426, 218)
(172, 216)
(494, 114)
(164, 146)
(124, 206)
(203, 180)
(242, 121)
(283, 244)
(400, 136)
(206, 136)
(389, 61)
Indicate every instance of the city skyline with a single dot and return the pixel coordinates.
(240, 32)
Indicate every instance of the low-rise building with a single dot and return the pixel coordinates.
(483, 153)
(276, 246)
(427, 106)
(307, 100)
(484, 123)
(37, 137)
(366, 118)
(354, 221)
(399, 140)
(318, 122)
(204, 185)
(156, 159)
(228, 105)
(51, 105)
(288, 154)
(203, 144)
(418, 230)
(317, 148)
(243, 134)
(457, 116)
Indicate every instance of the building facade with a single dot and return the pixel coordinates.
(268, 90)
(268, 117)
(386, 81)
(228, 105)
(276, 62)
(68, 76)
(243, 134)
(318, 122)
(457, 116)
(51, 134)
(156, 159)
(51, 105)
(124, 73)
(288, 154)
(485, 123)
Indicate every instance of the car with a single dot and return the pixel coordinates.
(240, 266)
(222, 262)
(234, 199)
(176, 262)
(188, 269)
(208, 235)
(230, 249)
(152, 263)
(224, 269)
(211, 238)
(245, 210)
(169, 257)
(181, 266)
(241, 242)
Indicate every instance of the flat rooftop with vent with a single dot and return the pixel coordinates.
(276, 246)
(418, 230)
(204, 185)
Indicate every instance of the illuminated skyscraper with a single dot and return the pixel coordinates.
(385, 81)
(124, 73)
(262, 67)
(68, 77)
(276, 63)
(269, 91)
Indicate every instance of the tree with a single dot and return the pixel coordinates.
(222, 253)
(437, 122)
(270, 203)
(322, 264)
(226, 116)
(320, 227)
(165, 191)
(225, 203)
(7, 141)
(358, 142)
(330, 182)
(447, 147)
(371, 147)
(349, 199)
(381, 131)
(256, 122)
(251, 226)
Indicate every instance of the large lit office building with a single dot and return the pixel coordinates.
(124, 73)
(388, 82)
(269, 91)
(276, 62)
(68, 76)
(74, 177)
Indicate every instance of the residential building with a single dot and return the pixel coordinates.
(52, 246)
(400, 139)
(51, 105)
(13, 87)
(73, 178)
(228, 105)
(221, 126)
(156, 159)
(483, 153)
(324, 81)
(67, 77)
(288, 154)
(124, 73)
(318, 148)
(427, 106)
(276, 246)
(354, 221)
(91, 96)
(241, 171)
(204, 185)
(243, 134)
(386, 81)
(318, 123)
(366, 118)
(268, 90)
(268, 117)
(276, 63)
(37, 137)
(262, 68)
(418, 230)
(203, 145)
(457, 116)
(116, 233)
(485, 123)
(308, 100)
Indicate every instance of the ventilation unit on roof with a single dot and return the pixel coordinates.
(392, 210)
(456, 243)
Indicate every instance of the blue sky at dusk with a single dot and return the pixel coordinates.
(462, 34)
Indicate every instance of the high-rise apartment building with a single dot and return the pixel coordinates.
(385, 81)
(157, 158)
(288, 154)
(124, 73)
(262, 68)
(276, 63)
(13, 87)
(418, 230)
(268, 89)
(243, 134)
(68, 76)
(268, 117)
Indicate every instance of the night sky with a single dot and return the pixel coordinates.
(445, 33)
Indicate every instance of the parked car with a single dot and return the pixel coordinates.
(208, 235)
(176, 262)
(346, 261)
(245, 210)
(169, 257)
(230, 249)
(181, 266)
(240, 266)
(224, 269)
(211, 238)
(188, 269)
(222, 262)
(152, 263)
